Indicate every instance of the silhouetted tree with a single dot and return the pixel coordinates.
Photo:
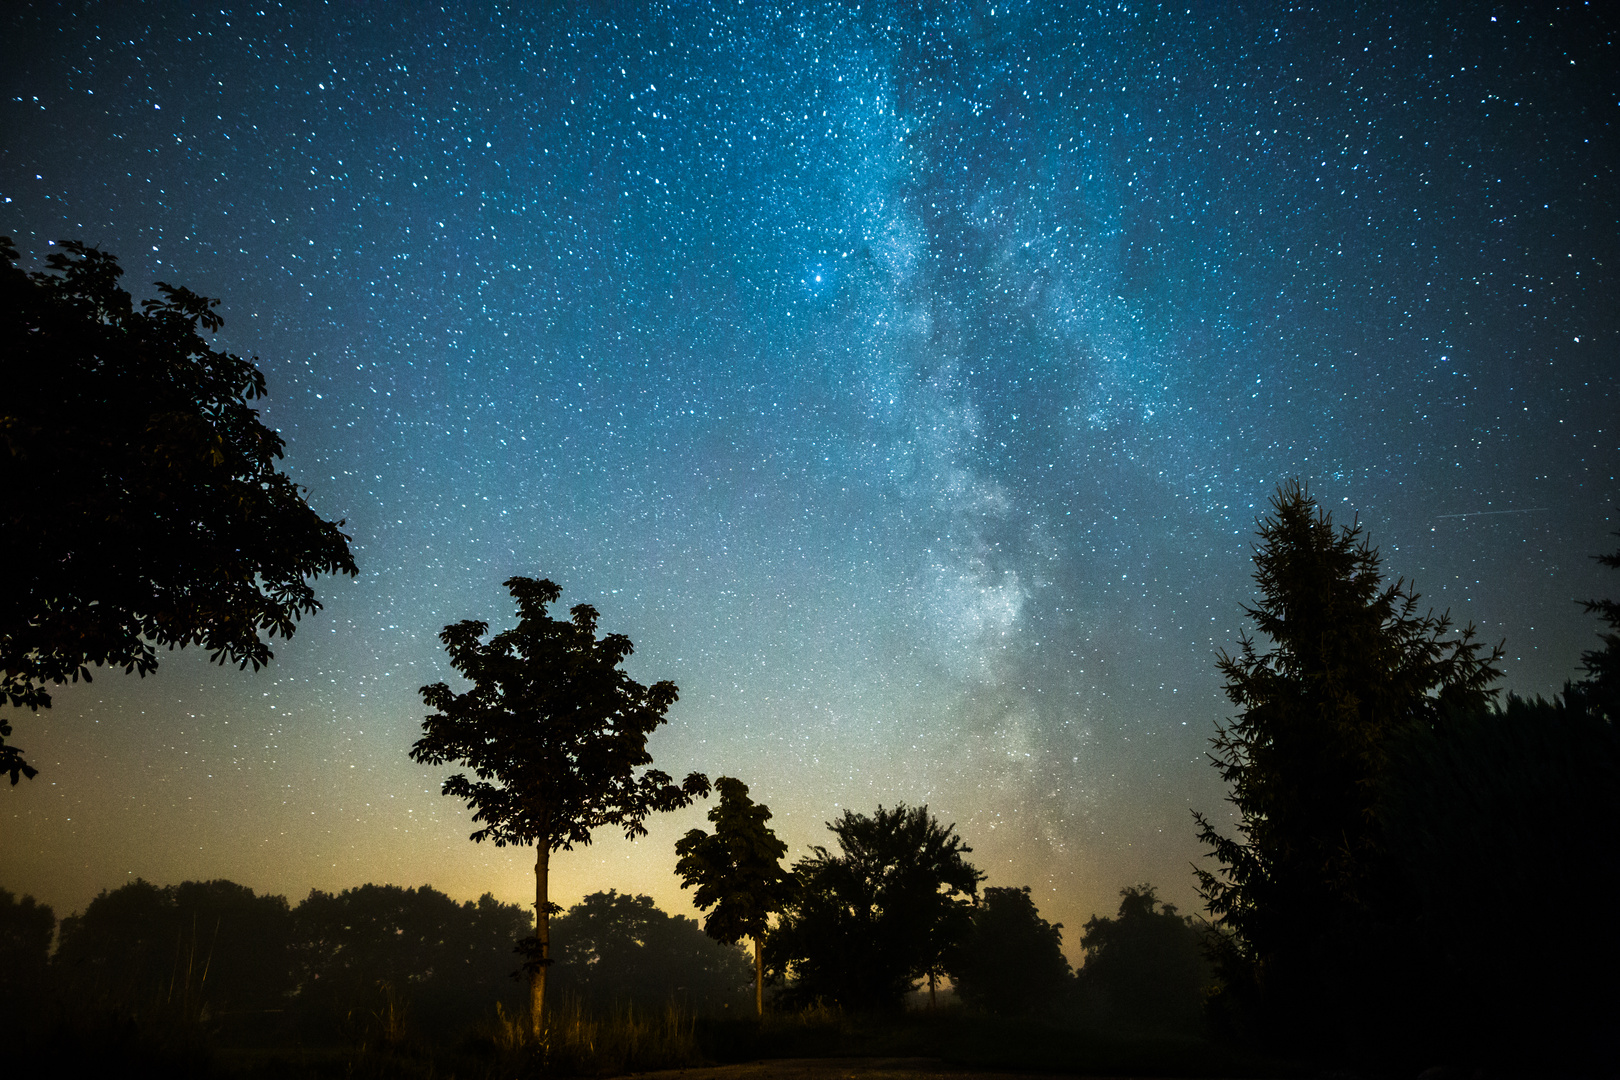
(1350, 668)
(738, 872)
(615, 949)
(1012, 960)
(554, 732)
(1599, 692)
(1145, 967)
(865, 924)
(26, 930)
(143, 507)
(438, 958)
(199, 946)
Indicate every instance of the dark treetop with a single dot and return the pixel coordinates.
(553, 729)
(143, 506)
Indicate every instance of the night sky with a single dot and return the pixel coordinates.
(905, 380)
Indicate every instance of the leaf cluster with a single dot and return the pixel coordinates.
(143, 504)
(737, 869)
(553, 731)
(255, 963)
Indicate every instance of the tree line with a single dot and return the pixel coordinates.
(216, 953)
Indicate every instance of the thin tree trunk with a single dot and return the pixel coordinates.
(932, 979)
(542, 930)
(759, 979)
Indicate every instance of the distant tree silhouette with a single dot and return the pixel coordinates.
(616, 949)
(865, 924)
(1145, 967)
(554, 732)
(425, 951)
(143, 507)
(1350, 668)
(26, 930)
(1599, 692)
(738, 873)
(196, 947)
(214, 952)
(1012, 960)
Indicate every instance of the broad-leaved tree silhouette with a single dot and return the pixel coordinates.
(738, 873)
(555, 735)
(143, 507)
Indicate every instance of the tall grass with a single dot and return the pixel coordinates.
(575, 1041)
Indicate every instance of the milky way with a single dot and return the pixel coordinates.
(905, 381)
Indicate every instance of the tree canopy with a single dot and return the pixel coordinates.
(1351, 666)
(143, 506)
(1145, 966)
(253, 966)
(444, 959)
(614, 949)
(738, 872)
(555, 735)
(1599, 692)
(26, 930)
(865, 924)
(196, 943)
(1012, 960)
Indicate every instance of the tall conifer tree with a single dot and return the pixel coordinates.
(1351, 666)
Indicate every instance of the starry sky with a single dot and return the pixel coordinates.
(904, 379)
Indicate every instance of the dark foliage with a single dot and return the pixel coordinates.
(206, 961)
(737, 870)
(1012, 959)
(555, 733)
(26, 930)
(1146, 968)
(866, 923)
(201, 946)
(143, 507)
(1599, 692)
(1502, 837)
(553, 728)
(188, 946)
(1351, 668)
(386, 946)
(614, 950)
